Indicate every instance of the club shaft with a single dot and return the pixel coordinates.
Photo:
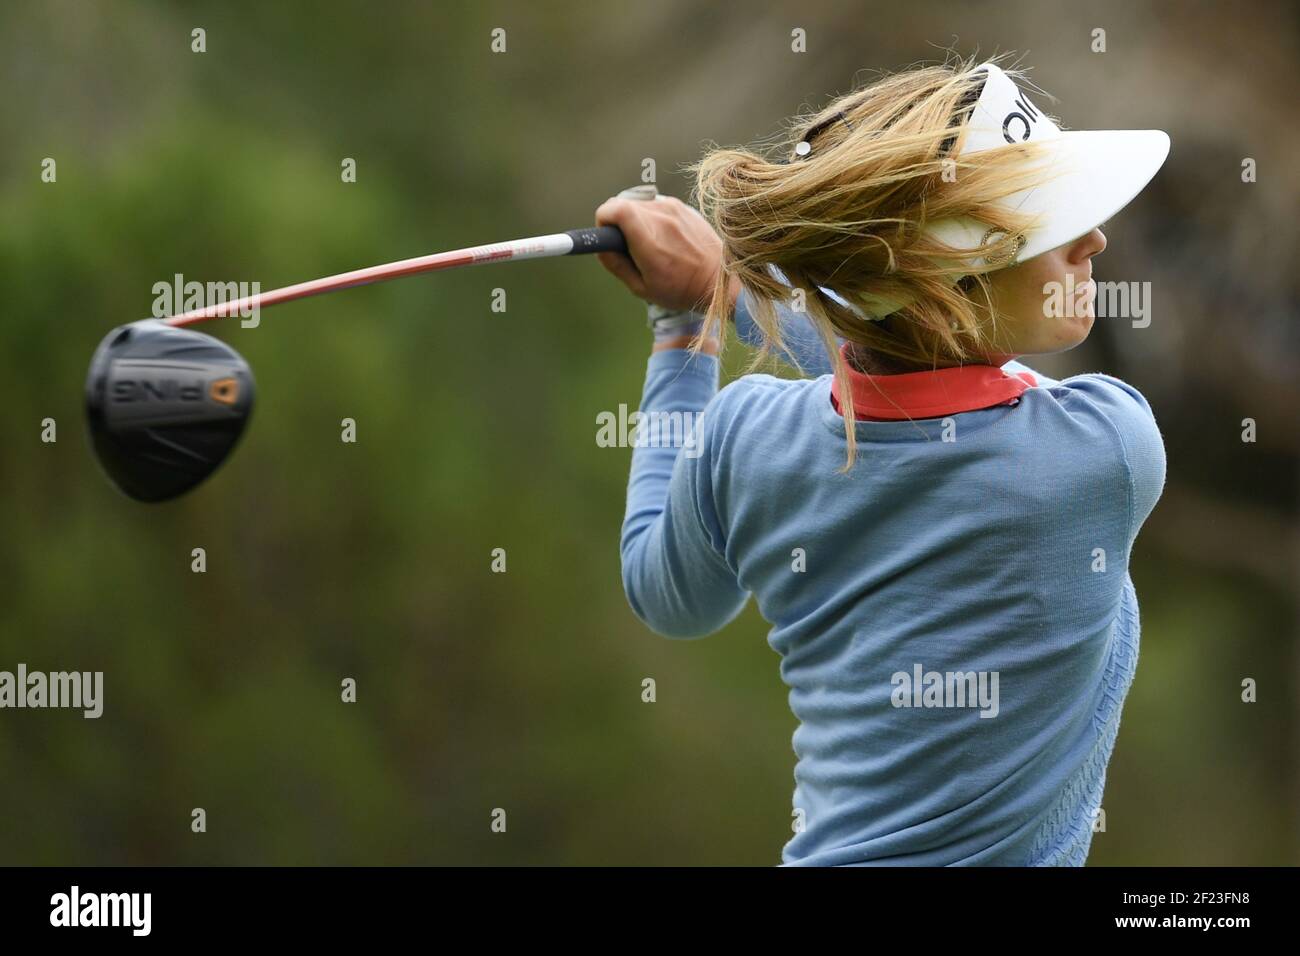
(573, 242)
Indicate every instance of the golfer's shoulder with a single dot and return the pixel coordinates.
(1102, 396)
(755, 393)
(758, 401)
(1118, 415)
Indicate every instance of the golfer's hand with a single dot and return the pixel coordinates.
(675, 254)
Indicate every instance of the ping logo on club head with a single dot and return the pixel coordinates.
(157, 390)
(224, 390)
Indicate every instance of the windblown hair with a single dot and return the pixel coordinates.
(850, 217)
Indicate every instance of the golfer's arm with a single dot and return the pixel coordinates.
(804, 349)
(674, 575)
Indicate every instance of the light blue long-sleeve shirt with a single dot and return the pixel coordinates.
(996, 561)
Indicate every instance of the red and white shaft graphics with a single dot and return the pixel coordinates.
(599, 239)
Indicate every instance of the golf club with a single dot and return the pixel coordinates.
(165, 405)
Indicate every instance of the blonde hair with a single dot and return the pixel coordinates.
(850, 217)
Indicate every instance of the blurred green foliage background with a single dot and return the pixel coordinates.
(476, 430)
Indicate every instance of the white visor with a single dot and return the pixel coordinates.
(1091, 174)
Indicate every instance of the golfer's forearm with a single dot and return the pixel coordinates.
(709, 346)
(673, 576)
(678, 386)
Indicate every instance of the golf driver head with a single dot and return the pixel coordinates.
(165, 407)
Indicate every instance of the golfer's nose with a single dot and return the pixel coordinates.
(1088, 245)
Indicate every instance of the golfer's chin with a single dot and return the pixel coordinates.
(1074, 329)
(1045, 336)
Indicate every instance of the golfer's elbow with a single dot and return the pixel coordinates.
(675, 628)
(675, 631)
(659, 606)
(659, 614)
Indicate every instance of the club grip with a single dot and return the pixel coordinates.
(596, 239)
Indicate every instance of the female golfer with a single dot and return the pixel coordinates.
(939, 536)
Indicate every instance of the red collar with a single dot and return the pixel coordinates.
(930, 394)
